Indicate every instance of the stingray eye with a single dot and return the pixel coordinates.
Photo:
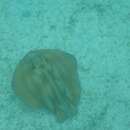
(48, 78)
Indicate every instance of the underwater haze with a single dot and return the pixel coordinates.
(96, 33)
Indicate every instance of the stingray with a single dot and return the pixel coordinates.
(48, 78)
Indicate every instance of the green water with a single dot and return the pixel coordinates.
(96, 32)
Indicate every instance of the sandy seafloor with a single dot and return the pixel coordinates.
(96, 32)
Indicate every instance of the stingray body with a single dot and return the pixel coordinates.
(48, 78)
